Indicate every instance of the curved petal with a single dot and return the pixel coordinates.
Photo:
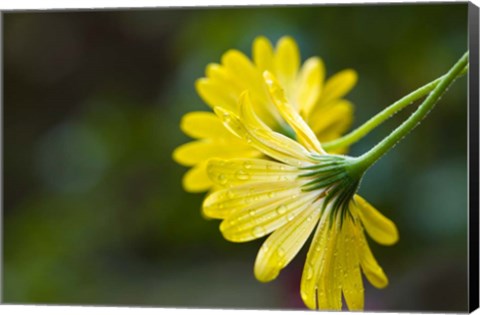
(304, 134)
(215, 94)
(309, 85)
(238, 64)
(194, 152)
(329, 294)
(267, 136)
(262, 53)
(287, 62)
(284, 244)
(221, 75)
(331, 122)
(380, 228)
(239, 171)
(369, 264)
(338, 85)
(315, 285)
(263, 138)
(196, 179)
(203, 125)
(222, 203)
(352, 285)
(261, 218)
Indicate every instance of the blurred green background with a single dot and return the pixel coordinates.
(94, 211)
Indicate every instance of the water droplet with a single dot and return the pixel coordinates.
(247, 164)
(309, 272)
(290, 216)
(258, 231)
(242, 175)
(281, 209)
(230, 194)
(309, 218)
(318, 248)
(280, 252)
(222, 179)
(251, 212)
(226, 117)
(271, 194)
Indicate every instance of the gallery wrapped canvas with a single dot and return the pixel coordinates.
(317, 157)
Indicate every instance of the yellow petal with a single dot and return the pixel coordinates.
(314, 285)
(265, 140)
(203, 125)
(215, 94)
(194, 152)
(309, 85)
(223, 203)
(284, 244)
(287, 62)
(352, 285)
(380, 228)
(196, 179)
(338, 85)
(261, 218)
(329, 294)
(223, 77)
(238, 64)
(331, 122)
(267, 137)
(225, 83)
(370, 267)
(240, 171)
(263, 53)
(304, 134)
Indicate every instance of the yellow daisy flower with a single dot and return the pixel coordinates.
(320, 103)
(301, 188)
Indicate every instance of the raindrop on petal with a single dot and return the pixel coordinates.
(222, 179)
(290, 216)
(242, 175)
(309, 272)
(258, 231)
(281, 209)
(247, 164)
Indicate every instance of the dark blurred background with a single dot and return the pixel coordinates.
(94, 211)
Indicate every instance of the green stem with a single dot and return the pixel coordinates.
(363, 162)
(387, 113)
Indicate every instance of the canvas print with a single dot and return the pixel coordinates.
(299, 157)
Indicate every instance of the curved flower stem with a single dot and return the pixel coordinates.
(385, 114)
(362, 163)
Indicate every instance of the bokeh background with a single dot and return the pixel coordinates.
(94, 212)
